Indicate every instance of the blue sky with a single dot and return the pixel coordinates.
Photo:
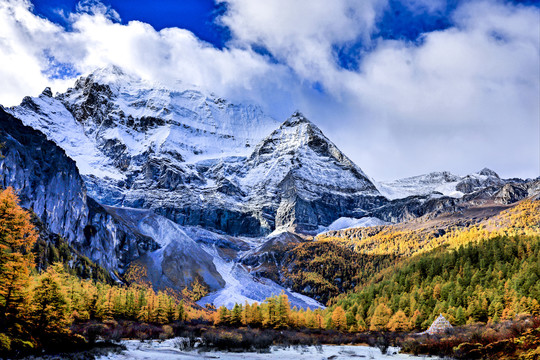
(401, 86)
(195, 15)
(400, 20)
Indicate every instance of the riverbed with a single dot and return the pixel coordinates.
(173, 349)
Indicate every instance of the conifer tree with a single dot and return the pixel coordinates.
(222, 316)
(180, 311)
(256, 315)
(131, 306)
(399, 322)
(49, 307)
(161, 309)
(360, 323)
(236, 315)
(460, 316)
(17, 236)
(380, 318)
(283, 311)
(339, 320)
(270, 317)
(247, 314)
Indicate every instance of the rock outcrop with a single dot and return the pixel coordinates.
(46, 180)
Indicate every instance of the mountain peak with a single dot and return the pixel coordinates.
(47, 92)
(297, 119)
(488, 172)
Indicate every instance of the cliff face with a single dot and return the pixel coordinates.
(47, 181)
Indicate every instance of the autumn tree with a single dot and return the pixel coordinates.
(283, 311)
(221, 317)
(17, 236)
(399, 322)
(180, 311)
(236, 315)
(380, 318)
(50, 308)
(338, 319)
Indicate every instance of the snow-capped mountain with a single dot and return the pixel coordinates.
(114, 124)
(197, 159)
(188, 185)
(439, 183)
(298, 177)
(49, 183)
(348, 223)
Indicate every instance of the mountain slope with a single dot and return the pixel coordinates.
(442, 183)
(197, 159)
(313, 182)
(47, 181)
(188, 186)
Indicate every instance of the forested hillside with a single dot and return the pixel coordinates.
(486, 281)
(332, 265)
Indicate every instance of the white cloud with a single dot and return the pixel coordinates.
(97, 39)
(464, 98)
(302, 33)
(22, 39)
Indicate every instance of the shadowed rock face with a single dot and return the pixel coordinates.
(47, 181)
(299, 180)
(111, 242)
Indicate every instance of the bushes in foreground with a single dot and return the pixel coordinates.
(508, 340)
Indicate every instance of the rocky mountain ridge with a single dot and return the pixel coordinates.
(197, 159)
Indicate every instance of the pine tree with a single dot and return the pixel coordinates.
(49, 307)
(310, 319)
(283, 311)
(222, 316)
(180, 311)
(399, 322)
(247, 314)
(131, 306)
(236, 315)
(17, 236)
(380, 318)
(339, 320)
(171, 309)
(161, 309)
(360, 323)
(199, 288)
(256, 315)
(270, 315)
(460, 316)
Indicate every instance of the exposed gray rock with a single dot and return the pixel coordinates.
(510, 193)
(167, 150)
(47, 181)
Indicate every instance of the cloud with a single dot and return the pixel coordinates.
(94, 7)
(458, 99)
(22, 36)
(461, 93)
(32, 45)
(302, 34)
